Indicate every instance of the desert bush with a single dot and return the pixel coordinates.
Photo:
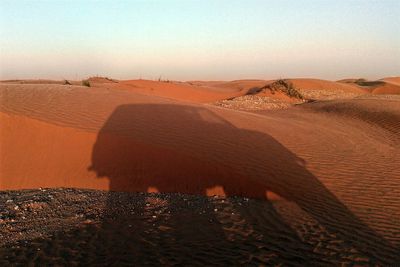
(363, 82)
(160, 79)
(66, 82)
(285, 87)
(254, 90)
(86, 83)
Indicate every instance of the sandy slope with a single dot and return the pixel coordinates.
(237, 85)
(322, 89)
(394, 80)
(387, 88)
(331, 163)
(316, 84)
(311, 88)
(390, 85)
(173, 90)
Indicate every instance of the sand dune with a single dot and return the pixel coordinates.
(237, 85)
(383, 114)
(211, 91)
(394, 80)
(387, 88)
(174, 90)
(322, 90)
(326, 159)
(390, 85)
(32, 81)
(158, 123)
(313, 89)
(316, 84)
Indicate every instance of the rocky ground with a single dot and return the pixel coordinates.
(254, 102)
(327, 94)
(87, 227)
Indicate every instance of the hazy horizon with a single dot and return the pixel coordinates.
(199, 40)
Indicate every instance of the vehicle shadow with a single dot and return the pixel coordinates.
(191, 152)
(186, 149)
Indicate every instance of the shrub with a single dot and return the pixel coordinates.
(363, 82)
(285, 87)
(86, 83)
(254, 90)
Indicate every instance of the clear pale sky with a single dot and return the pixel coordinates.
(209, 40)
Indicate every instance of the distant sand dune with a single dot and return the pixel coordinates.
(394, 80)
(390, 85)
(387, 88)
(176, 90)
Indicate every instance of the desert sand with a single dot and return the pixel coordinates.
(304, 174)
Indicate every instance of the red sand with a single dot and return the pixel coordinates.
(174, 90)
(315, 84)
(392, 88)
(333, 159)
(394, 80)
(238, 85)
(197, 149)
(390, 85)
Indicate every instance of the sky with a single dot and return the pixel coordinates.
(199, 40)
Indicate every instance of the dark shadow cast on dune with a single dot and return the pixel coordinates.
(186, 149)
(190, 151)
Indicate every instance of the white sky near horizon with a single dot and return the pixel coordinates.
(199, 40)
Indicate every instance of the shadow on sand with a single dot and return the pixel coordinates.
(191, 150)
